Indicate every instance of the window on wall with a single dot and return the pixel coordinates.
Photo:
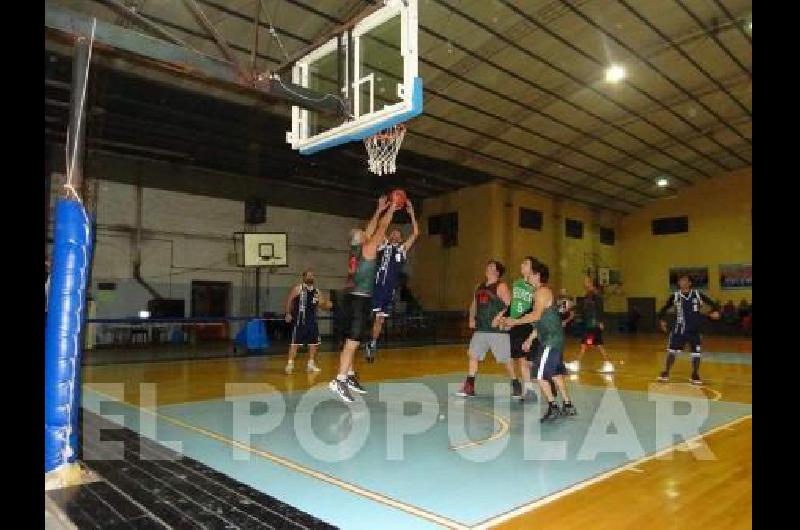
(574, 228)
(531, 219)
(450, 229)
(434, 225)
(607, 236)
(210, 299)
(445, 225)
(670, 225)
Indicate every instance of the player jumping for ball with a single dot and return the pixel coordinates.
(358, 294)
(687, 303)
(392, 255)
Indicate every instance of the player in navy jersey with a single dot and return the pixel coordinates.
(688, 303)
(301, 313)
(392, 256)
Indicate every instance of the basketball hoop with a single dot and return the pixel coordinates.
(382, 149)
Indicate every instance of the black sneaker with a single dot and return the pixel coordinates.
(568, 409)
(516, 390)
(664, 377)
(340, 388)
(695, 380)
(370, 348)
(552, 413)
(354, 385)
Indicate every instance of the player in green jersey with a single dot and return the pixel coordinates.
(547, 322)
(522, 292)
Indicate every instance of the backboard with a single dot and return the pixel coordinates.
(261, 249)
(371, 69)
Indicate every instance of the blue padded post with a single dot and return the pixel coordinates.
(71, 260)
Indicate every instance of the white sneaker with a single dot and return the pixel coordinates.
(573, 366)
(289, 368)
(311, 367)
(607, 368)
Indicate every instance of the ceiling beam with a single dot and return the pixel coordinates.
(549, 63)
(111, 38)
(246, 76)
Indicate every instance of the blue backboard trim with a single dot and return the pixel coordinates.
(354, 136)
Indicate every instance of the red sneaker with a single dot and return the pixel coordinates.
(467, 389)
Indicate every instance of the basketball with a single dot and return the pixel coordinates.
(398, 198)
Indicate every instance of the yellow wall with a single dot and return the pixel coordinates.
(720, 232)
(488, 219)
(442, 278)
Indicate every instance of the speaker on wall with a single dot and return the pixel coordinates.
(255, 211)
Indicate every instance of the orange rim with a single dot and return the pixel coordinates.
(390, 134)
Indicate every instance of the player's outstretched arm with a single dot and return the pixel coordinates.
(370, 248)
(383, 200)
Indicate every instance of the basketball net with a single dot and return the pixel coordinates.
(382, 149)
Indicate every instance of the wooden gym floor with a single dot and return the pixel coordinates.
(667, 488)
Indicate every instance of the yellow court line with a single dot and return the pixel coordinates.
(500, 432)
(294, 466)
(485, 525)
(717, 393)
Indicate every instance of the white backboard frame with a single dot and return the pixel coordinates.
(360, 126)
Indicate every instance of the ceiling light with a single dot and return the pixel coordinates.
(662, 182)
(615, 73)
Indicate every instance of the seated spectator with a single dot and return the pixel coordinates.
(744, 308)
(747, 322)
(729, 313)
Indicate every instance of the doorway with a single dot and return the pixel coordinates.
(211, 299)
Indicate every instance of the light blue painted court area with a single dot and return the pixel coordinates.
(728, 357)
(445, 477)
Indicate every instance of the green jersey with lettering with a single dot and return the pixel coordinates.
(361, 272)
(487, 306)
(521, 298)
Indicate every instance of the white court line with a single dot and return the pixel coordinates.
(299, 468)
(485, 525)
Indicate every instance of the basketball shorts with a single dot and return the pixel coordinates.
(592, 337)
(484, 341)
(356, 317)
(305, 334)
(382, 298)
(517, 336)
(678, 340)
